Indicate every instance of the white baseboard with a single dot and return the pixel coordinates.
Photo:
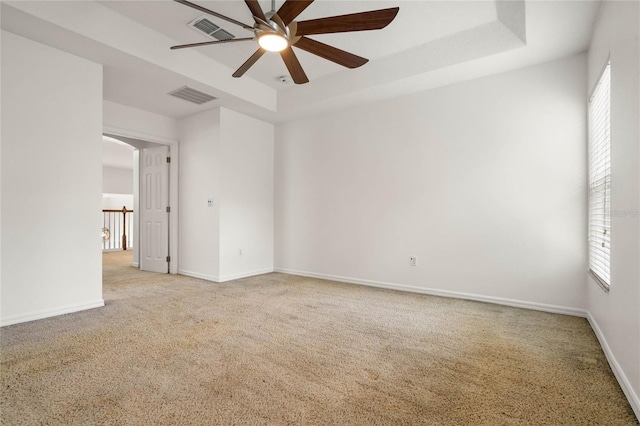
(444, 293)
(632, 396)
(51, 312)
(135, 264)
(224, 278)
(231, 277)
(213, 278)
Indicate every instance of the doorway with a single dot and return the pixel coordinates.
(153, 221)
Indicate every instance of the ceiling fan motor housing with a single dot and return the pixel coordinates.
(276, 26)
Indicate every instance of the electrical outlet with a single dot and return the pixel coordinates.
(239, 252)
(413, 261)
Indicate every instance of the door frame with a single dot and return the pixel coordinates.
(173, 190)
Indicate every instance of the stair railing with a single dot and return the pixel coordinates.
(116, 230)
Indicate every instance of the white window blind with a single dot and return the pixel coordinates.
(600, 179)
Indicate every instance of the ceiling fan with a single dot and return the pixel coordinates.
(278, 32)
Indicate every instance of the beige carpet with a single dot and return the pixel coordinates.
(279, 349)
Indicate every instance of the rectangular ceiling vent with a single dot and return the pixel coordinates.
(191, 95)
(204, 25)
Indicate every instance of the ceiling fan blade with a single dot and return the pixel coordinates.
(249, 63)
(331, 53)
(362, 21)
(291, 9)
(255, 9)
(212, 13)
(206, 43)
(293, 65)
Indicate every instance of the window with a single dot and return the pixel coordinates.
(600, 180)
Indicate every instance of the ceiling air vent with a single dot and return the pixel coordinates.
(223, 35)
(204, 25)
(191, 95)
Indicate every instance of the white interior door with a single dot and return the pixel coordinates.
(154, 202)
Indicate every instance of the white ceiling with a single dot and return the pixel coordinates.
(417, 22)
(116, 154)
(429, 44)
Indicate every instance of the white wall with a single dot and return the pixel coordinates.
(199, 237)
(616, 315)
(227, 157)
(246, 214)
(117, 201)
(51, 113)
(123, 120)
(1, 174)
(117, 181)
(483, 181)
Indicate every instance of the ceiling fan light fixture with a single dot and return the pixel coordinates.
(273, 42)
